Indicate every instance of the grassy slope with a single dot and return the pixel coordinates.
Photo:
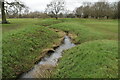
(94, 59)
(84, 29)
(23, 42)
(97, 56)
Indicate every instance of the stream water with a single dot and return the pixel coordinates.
(51, 60)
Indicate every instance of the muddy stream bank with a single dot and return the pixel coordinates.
(47, 63)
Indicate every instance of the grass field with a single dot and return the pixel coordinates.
(23, 42)
(90, 29)
(95, 55)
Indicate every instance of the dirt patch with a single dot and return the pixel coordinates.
(72, 36)
(43, 71)
(60, 32)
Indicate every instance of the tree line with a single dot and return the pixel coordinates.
(56, 9)
(98, 10)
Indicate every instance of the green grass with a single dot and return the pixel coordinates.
(88, 30)
(48, 22)
(94, 59)
(22, 46)
(16, 24)
(95, 56)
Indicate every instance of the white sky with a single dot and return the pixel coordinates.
(40, 5)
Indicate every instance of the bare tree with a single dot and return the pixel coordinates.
(2, 6)
(26, 11)
(101, 9)
(12, 7)
(114, 9)
(84, 10)
(79, 11)
(55, 7)
(15, 8)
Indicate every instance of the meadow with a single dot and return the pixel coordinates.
(95, 54)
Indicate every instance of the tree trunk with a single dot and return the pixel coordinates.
(56, 17)
(118, 15)
(4, 21)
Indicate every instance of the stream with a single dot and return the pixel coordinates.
(48, 62)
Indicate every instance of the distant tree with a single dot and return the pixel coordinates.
(66, 12)
(79, 12)
(60, 15)
(55, 7)
(71, 15)
(35, 14)
(84, 10)
(114, 10)
(101, 9)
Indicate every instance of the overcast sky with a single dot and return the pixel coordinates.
(40, 5)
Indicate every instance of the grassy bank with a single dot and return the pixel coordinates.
(90, 29)
(96, 55)
(23, 42)
(94, 59)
